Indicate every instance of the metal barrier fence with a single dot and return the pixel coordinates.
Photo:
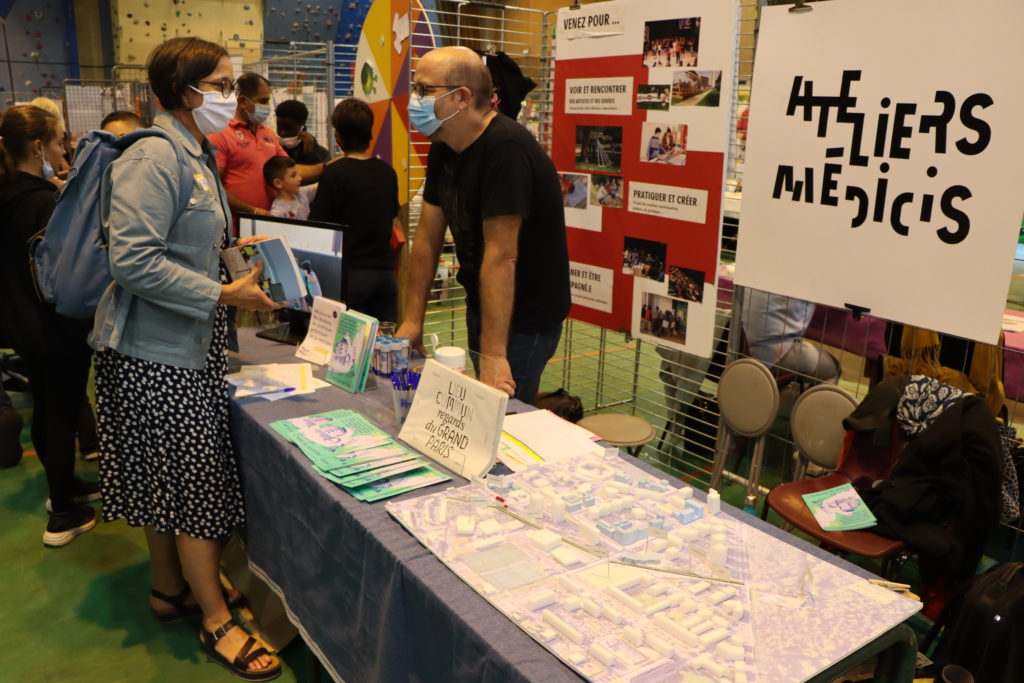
(315, 73)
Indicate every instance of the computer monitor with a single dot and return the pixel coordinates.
(316, 245)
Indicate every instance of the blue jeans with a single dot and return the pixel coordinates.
(527, 352)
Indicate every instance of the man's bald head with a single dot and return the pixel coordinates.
(460, 66)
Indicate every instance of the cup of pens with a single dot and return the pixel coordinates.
(403, 385)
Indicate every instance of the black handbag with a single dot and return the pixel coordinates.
(561, 403)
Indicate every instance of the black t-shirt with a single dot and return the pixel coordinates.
(361, 194)
(33, 328)
(506, 172)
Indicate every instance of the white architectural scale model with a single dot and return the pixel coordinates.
(626, 578)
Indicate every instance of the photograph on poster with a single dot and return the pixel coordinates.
(606, 190)
(663, 143)
(696, 88)
(599, 148)
(684, 283)
(644, 258)
(574, 190)
(663, 317)
(671, 42)
(653, 97)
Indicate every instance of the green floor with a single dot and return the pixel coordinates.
(80, 613)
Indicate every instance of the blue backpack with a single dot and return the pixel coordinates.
(69, 258)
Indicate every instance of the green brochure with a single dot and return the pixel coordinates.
(840, 509)
(347, 449)
(352, 353)
(399, 484)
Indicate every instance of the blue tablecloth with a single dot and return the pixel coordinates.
(370, 601)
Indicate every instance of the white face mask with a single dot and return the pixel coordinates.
(216, 111)
(260, 114)
(47, 169)
(292, 142)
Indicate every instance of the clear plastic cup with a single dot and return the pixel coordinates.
(402, 399)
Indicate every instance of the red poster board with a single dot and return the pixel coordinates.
(634, 122)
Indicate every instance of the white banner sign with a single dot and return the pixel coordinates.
(888, 177)
(680, 203)
(610, 96)
(591, 286)
(591, 22)
(455, 420)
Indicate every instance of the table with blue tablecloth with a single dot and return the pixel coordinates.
(369, 600)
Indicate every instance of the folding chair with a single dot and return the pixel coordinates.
(817, 428)
(748, 400)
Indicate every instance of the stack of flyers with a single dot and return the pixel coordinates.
(351, 451)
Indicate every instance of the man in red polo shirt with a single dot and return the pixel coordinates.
(246, 144)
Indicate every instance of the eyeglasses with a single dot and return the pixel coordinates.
(225, 87)
(420, 89)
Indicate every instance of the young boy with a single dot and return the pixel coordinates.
(292, 198)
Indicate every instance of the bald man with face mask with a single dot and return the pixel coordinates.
(491, 183)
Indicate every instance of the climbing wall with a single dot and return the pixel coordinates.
(310, 22)
(39, 37)
(141, 25)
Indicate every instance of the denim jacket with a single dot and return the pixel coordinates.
(160, 306)
(773, 323)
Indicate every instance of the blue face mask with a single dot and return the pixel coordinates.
(47, 170)
(422, 116)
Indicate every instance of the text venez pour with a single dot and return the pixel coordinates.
(589, 21)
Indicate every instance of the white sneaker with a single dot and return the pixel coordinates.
(62, 528)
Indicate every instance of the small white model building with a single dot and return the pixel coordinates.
(565, 557)
(633, 635)
(714, 505)
(540, 599)
(465, 525)
(544, 539)
(557, 509)
(489, 527)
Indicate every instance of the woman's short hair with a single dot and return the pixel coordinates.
(353, 121)
(177, 63)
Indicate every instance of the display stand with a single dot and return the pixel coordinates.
(642, 100)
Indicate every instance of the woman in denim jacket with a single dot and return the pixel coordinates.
(166, 461)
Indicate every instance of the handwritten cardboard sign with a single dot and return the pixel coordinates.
(323, 325)
(455, 420)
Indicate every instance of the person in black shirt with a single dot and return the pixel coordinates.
(300, 144)
(52, 347)
(361, 193)
(491, 182)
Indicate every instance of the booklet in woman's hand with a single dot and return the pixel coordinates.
(280, 279)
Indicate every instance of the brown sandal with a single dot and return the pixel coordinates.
(240, 665)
